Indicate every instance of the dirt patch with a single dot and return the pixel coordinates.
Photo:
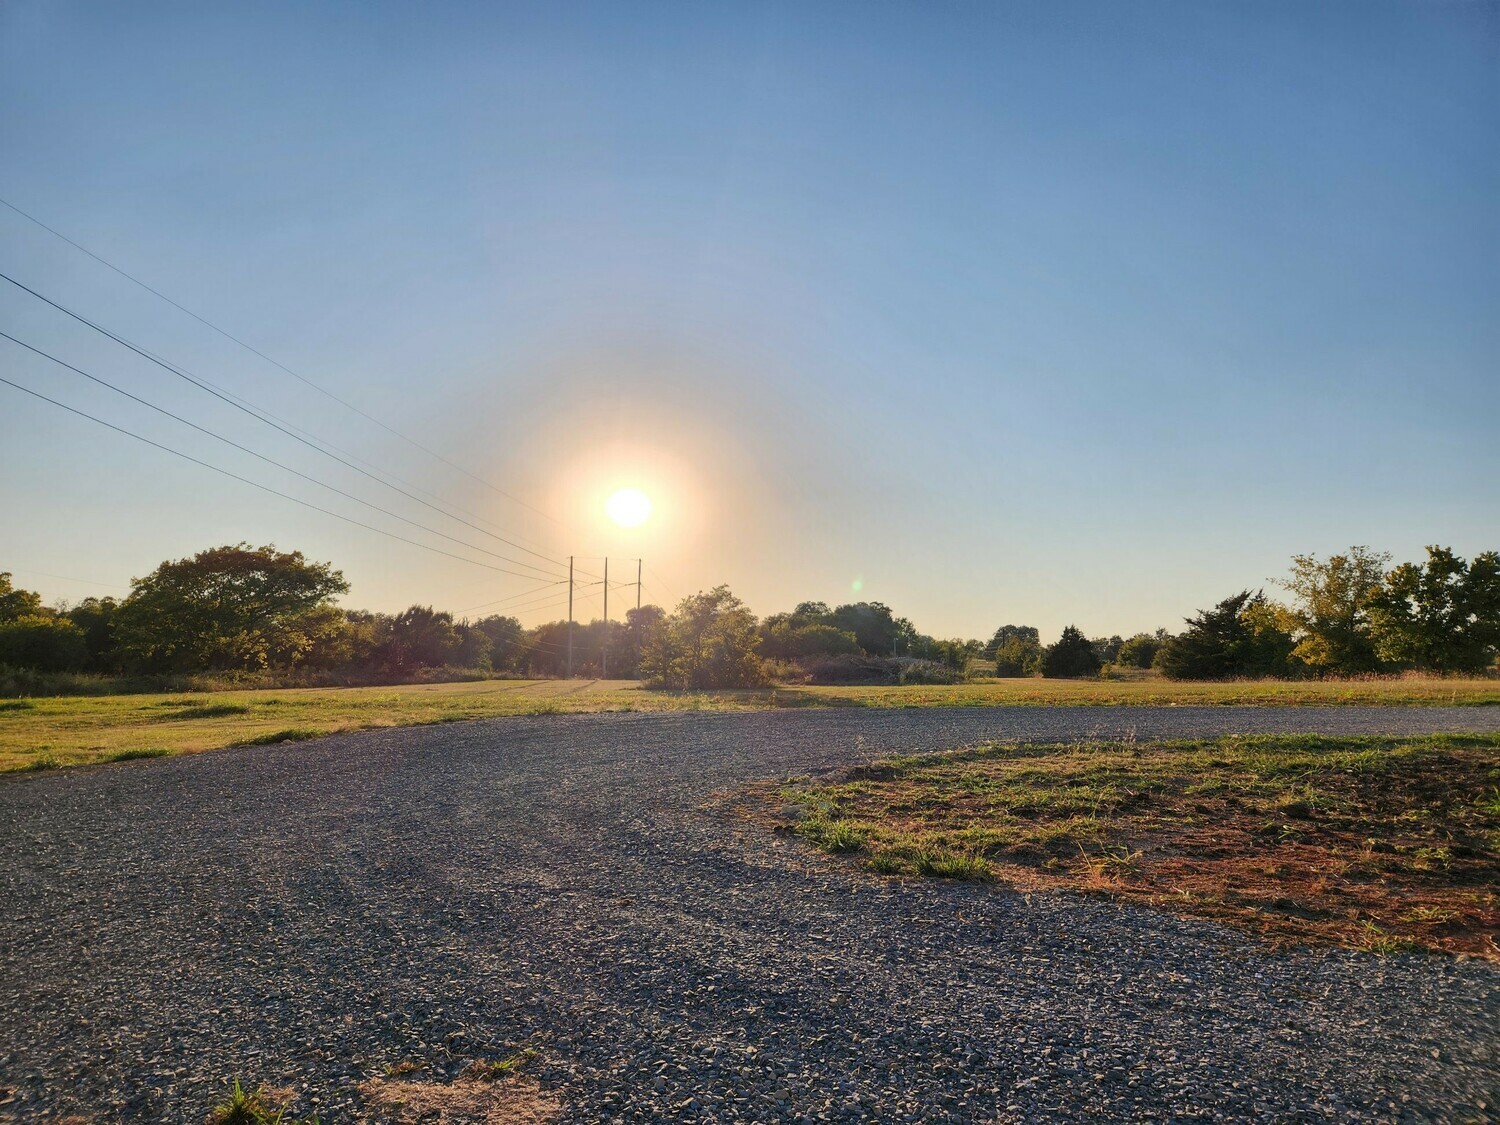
(1379, 844)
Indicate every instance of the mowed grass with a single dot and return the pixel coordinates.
(47, 732)
(1384, 844)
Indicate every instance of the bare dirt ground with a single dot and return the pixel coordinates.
(400, 904)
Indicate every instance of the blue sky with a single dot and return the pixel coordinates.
(1053, 314)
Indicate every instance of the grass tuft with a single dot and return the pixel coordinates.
(952, 865)
(255, 1107)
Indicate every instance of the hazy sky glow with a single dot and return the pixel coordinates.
(1032, 313)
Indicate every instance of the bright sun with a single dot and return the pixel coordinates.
(628, 507)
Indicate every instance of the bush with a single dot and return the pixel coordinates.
(1138, 652)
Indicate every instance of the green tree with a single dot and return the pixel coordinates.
(1107, 649)
(96, 617)
(1442, 616)
(543, 649)
(871, 623)
(783, 639)
(709, 641)
(15, 603)
(628, 641)
(1138, 651)
(1020, 654)
(474, 647)
(1331, 609)
(420, 637)
(1072, 656)
(505, 635)
(1027, 634)
(958, 652)
(1243, 635)
(226, 608)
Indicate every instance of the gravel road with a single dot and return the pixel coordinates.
(307, 914)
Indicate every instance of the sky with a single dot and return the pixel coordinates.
(1055, 314)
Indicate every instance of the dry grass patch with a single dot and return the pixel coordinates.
(1375, 843)
(466, 1100)
(484, 1092)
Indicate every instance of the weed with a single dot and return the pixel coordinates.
(886, 862)
(255, 1107)
(1432, 859)
(16, 705)
(41, 762)
(1490, 804)
(1431, 916)
(1372, 939)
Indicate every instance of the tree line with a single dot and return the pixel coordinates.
(1346, 615)
(241, 609)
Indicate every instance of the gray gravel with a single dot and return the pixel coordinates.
(306, 915)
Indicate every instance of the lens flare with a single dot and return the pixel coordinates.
(628, 507)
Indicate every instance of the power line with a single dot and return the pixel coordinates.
(257, 484)
(541, 603)
(276, 363)
(267, 460)
(256, 413)
(508, 608)
(66, 578)
(513, 597)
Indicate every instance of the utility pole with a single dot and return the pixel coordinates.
(570, 617)
(604, 650)
(637, 583)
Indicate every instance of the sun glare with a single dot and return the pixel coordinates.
(628, 507)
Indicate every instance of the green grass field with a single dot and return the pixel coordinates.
(43, 733)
